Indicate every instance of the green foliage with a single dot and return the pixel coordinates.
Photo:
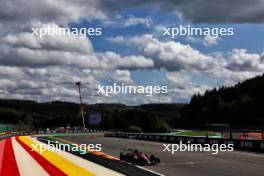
(162, 127)
(30, 115)
(135, 129)
(240, 104)
(21, 126)
(114, 130)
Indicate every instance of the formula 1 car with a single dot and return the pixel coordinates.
(133, 156)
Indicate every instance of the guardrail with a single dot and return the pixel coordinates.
(7, 135)
(79, 132)
(244, 145)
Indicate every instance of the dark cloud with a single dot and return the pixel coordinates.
(198, 11)
(46, 69)
(216, 11)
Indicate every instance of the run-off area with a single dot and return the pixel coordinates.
(181, 163)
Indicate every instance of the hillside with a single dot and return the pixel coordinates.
(31, 115)
(240, 104)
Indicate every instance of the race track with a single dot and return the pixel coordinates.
(182, 163)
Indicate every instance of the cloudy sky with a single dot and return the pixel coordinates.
(131, 49)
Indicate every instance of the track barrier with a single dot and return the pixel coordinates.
(243, 145)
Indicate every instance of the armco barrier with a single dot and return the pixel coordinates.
(245, 145)
(7, 135)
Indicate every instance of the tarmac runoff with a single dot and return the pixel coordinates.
(181, 163)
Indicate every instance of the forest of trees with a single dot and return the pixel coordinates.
(30, 115)
(241, 104)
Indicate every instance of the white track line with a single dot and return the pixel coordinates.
(249, 154)
(92, 167)
(134, 165)
(27, 165)
(192, 163)
(149, 170)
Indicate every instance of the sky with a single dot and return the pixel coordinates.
(132, 48)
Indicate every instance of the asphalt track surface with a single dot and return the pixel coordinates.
(121, 167)
(182, 163)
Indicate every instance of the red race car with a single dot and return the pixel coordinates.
(136, 157)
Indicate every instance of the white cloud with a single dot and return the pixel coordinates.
(193, 39)
(181, 86)
(207, 41)
(184, 63)
(133, 21)
(128, 21)
(172, 55)
(46, 69)
(25, 49)
(121, 76)
(240, 60)
(117, 39)
(210, 40)
(61, 12)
